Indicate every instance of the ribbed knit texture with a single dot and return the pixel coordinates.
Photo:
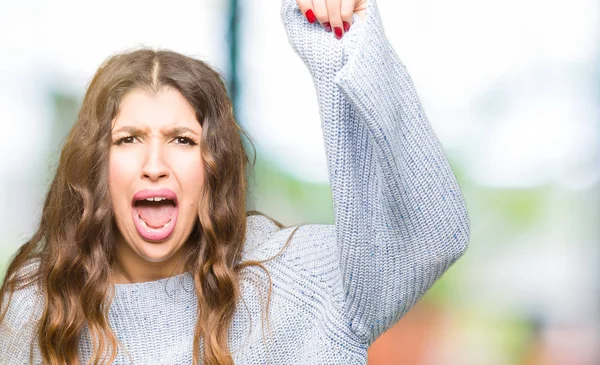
(400, 222)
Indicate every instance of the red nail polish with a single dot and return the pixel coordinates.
(346, 26)
(310, 16)
(327, 26)
(338, 32)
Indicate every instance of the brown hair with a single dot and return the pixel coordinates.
(75, 240)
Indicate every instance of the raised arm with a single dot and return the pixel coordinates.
(400, 217)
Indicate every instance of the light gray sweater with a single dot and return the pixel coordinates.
(400, 222)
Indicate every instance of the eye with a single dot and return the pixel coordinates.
(125, 140)
(185, 141)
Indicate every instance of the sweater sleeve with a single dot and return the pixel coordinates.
(400, 218)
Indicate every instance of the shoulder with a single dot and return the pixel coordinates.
(305, 242)
(22, 313)
(301, 259)
(260, 225)
(259, 229)
(20, 307)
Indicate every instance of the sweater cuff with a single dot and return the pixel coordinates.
(369, 61)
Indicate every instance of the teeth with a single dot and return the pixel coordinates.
(156, 199)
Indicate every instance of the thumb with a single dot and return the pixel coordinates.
(360, 8)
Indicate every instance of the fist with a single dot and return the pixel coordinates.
(333, 15)
(323, 54)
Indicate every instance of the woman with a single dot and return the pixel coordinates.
(145, 253)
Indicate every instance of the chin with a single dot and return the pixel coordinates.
(156, 252)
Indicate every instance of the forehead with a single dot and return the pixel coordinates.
(167, 108)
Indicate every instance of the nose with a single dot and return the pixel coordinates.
(154, 166)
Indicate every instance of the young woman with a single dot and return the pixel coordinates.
(145, 252)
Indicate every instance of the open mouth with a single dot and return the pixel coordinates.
(155, 213)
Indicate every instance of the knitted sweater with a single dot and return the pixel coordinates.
(400, 222)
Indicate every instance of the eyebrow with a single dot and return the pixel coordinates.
(169, 132)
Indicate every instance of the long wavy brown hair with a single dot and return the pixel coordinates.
(75, 241)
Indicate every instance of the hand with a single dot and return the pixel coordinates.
(323, 54)
(333, 14)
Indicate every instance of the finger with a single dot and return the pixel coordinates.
(335, 17)
(305, 7)
(347, 12)
(361, 8)
(320, 8)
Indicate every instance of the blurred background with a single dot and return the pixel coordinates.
(512, 89)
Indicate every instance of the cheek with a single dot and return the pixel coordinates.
(190, 175)
(120, 177)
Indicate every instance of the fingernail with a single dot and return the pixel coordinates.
(310, 16)
(327, 26)
(346, 26)
(338, 32)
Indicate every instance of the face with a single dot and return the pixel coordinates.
(155, 178)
